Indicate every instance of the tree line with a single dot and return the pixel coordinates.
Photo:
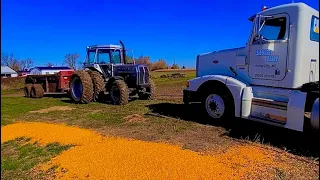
(157, 65)
(9, 59)
(72, 60)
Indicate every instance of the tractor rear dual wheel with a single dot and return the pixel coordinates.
(98, 85)
(81, 87)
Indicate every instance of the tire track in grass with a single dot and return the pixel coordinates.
(95, 156)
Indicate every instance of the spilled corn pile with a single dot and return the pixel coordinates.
(95, 156)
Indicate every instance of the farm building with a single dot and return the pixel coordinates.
(23, 73)
(48, 70)
(6, 71)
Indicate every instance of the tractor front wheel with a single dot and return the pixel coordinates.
(119, 92)
(81, 87)
(149, 92)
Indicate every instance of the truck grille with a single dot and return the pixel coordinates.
(143, 75)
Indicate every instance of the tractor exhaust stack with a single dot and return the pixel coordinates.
(123, 52)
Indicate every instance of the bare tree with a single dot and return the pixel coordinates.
(49, 64)
(14, 63)
(26, 63)
(71, 60)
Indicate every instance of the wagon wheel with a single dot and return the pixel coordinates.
(36, 91)
(27, 90)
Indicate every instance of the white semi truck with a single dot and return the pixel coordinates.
(274, 79)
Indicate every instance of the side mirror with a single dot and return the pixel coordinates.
(259, 22)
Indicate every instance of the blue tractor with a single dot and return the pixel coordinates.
(108, 75)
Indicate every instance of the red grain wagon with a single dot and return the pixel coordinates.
(38, 85)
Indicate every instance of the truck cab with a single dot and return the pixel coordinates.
(265, 80)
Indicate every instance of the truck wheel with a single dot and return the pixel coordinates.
(218, 104)
(81, 87)
(119, 93)
(27, 90)
(150, 92)
(98, 85)
(37, 91)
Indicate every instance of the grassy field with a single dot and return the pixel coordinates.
(163, 120)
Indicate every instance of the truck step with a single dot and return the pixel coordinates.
(269, 103)
(269, 110)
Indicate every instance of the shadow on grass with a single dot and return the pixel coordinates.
(56, 95)
(298, 143)
(105, 100)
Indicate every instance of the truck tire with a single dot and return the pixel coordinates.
(151, 92)
(27, 90)
(218, 104)
(36, 91)
(81, 87)
(119, 92)
(98, 85)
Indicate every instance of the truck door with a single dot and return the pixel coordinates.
(268, 55)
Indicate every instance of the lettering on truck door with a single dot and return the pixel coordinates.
(268, 57)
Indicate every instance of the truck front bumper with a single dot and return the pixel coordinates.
(189, 96)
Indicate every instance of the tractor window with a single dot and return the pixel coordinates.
(91, 56)
(115, 55)
(274, 29)
(103, 56)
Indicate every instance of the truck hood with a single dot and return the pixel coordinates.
(219, 62)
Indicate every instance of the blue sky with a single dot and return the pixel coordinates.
(47, 30)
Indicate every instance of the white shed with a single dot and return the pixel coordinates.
(6, 71)
(48, 70)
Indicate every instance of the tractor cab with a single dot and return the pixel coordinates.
(104, 54)
(107, 59)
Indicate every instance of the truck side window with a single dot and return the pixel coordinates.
(274, 29)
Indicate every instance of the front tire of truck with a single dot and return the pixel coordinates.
(218, 104)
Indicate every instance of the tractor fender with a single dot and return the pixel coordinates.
(234, 86)
(112, 79)
(115, 78)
